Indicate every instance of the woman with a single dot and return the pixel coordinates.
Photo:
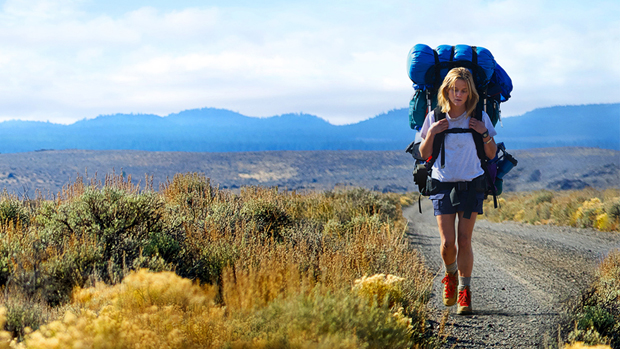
(459, 180)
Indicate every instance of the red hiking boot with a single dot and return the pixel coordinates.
(451, 282)
(464, 302)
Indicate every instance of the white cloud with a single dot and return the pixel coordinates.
(342, 61)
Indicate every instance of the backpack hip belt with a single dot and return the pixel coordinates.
(476, 185)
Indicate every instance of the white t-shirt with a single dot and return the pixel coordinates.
(462, 162)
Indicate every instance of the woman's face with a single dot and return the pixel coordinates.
(459, 94)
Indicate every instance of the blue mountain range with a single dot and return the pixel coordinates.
(220, 130)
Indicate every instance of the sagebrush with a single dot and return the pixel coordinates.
(596, 318)
(586, 208)
(191, 265)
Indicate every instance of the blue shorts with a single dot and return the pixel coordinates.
(443, 205)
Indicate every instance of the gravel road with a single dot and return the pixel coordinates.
(524, 276)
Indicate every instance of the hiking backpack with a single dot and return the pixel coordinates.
(427, 68)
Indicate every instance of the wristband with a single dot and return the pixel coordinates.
(489, 141)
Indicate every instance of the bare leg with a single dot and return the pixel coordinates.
(448, 237)
(465, 258)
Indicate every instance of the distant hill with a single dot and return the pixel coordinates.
(219, 130)
(596, 125)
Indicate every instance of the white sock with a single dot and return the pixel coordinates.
(452, 268)
(463, 282)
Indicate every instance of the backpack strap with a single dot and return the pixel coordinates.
(439, 139)
(482, 154)
(439, 147)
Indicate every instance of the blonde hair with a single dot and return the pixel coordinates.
(443, 99)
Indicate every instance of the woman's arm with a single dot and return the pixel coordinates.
(490, 148)
(426, 147)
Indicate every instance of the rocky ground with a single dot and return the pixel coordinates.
(524, 279)
(47, 171)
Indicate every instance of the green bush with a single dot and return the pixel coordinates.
(544, 196)
(273, 245)
(23, 315)
(333, 320)
(12, 210)
(265, 217)
(597, 316)
(614, 209)
(122, 224)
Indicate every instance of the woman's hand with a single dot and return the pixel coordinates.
(426, 147)
(438, 127)
(477, 125)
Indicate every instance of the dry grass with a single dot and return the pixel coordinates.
(192, 266)
(587, 208)
(597, 316)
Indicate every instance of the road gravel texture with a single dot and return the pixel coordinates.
(524, 279)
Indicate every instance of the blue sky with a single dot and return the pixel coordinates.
(344, 61)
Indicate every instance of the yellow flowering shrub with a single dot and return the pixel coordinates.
(581, 345)
(163, 310)
(586, 215)
(380, 288)
(603, 223)
(586, 208)
(146, 310)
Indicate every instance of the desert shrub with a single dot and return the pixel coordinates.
(365, 202)
(120, 222)
(189, 198)
(563, 210)
(612, 210)
(34, 265)
(544, 196)
(264, 217)
(207, 259)
(581, 345)
(587, 208)
(260, 253)
(23, 315)
(332, 320)
(192, 190)
(158, 310)
(145, 310)
(63, 269)
(587, 213)
(587, 339)
(597, 316)
(12, 211)
(540, 212)
(380, 289)
(406, 200)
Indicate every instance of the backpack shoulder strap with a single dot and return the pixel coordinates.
(482, 154)
(439, 115)
(439, 138)
(478, 137)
